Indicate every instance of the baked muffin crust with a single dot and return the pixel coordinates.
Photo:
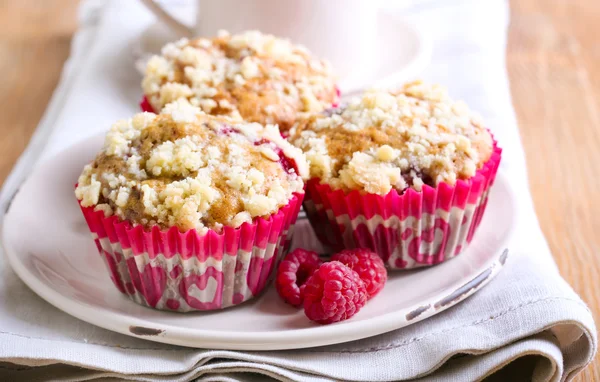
(413, 136)
(249, 76)
(191, 170)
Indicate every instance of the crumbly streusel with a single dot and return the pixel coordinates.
(250, 76)
(394, 140)
(187, 169)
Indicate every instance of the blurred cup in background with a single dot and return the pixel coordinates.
(341, 31)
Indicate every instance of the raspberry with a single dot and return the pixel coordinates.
(293, 272)
(367, 264)
(333, 293)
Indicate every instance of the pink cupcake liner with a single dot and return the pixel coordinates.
(171, 270)
(408, 230)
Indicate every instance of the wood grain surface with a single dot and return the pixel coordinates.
(553, 56)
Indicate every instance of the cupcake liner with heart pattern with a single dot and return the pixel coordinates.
(186, 271)
(408, 230)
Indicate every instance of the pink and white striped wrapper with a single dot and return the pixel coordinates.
(171, 270)
(408, 230)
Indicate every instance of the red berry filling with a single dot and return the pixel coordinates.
(338, 94)
(145, 105)
(286, 163)
(227, 130)
(293, 272)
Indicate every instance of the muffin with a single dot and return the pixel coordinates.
(405, 173)
(192, 211)
(249, 76)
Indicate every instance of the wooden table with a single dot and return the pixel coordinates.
(553, 55)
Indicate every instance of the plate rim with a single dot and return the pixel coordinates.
(257, 340)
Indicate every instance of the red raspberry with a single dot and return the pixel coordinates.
(367, 264)
(293, 272)
(333, 293)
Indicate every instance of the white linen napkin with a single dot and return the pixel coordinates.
(526, 322)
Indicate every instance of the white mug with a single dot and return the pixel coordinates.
(341, 31)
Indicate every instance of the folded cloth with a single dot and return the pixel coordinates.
(527, 322)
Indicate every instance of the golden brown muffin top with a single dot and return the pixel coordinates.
(394, 140)
(249, 76)
(191, 170)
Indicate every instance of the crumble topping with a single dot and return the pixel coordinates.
(413, 136)
(249, 76)
(191, 170)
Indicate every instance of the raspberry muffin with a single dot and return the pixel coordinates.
(250, 76)
(192, 211)
(404, 173)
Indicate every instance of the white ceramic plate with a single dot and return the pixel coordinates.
(49, 246)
